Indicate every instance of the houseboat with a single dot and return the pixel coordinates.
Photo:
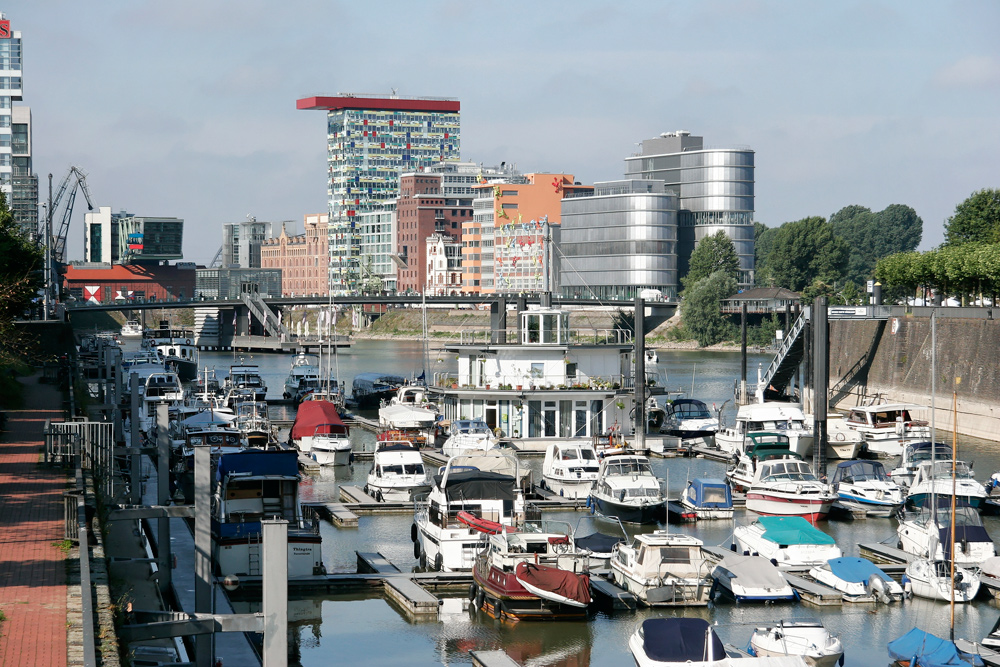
(888, 427)
(787, 418)
(177, 349)
(370, 389)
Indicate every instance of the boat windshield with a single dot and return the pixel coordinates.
(629, 468)
(942, 452)
(964, 515)
(861, 471)
(692, 410)
(796, 471)
(942, 470)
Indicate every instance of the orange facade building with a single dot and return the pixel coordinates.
(303, 258)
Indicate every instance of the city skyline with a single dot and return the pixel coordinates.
(188, 110)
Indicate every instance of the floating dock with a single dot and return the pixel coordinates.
(414, 599)
(618, 598)
(814, 592)
(492, 659)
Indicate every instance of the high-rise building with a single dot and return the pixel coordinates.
(716, 190)
(371, 141)
(378, 263)
(10, 92)
(125, 238)
(24, 181)
(618, 241)
(241, 243)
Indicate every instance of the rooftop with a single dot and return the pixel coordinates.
(379, 102)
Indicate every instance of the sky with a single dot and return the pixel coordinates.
(186, 108)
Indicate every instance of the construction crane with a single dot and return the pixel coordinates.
(79, 181)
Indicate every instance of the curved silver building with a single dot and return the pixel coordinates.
(715, 187)
(618, 241)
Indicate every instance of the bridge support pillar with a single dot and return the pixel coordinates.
(821, 382)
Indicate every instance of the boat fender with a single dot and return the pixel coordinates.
(480, 598)
(473, 591)
(732, 547)
(422, 560)
(438, 562)
(841, 661)
(774, 562)
(416, 550)
(561, 494)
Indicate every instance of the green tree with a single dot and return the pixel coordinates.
(20, 262)
(700, 309)
(713, 253)
(763, 241)
(804, 251)
(975, 219)
(871, 236)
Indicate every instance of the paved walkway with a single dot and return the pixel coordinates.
(32, 568)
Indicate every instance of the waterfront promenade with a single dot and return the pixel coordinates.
(32, 566)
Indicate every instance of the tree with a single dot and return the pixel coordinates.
(700, 310)
(20, 263)
(872, 236)
(713, 253)
(763, 241)
(975, 219)
(804, 251)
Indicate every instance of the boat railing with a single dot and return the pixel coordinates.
(576, 336)
(537, 381)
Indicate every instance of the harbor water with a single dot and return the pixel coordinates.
(366, 629)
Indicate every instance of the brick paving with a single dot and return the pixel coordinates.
(32, 568)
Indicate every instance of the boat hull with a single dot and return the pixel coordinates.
(651, 513)
(771, 504)
(331, 457)
(240, 556)
(570, 488)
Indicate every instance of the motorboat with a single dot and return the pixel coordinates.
(926, 533)
(179, 355)
(866, 484)
(663, 569)
(309, 416)
(254, 424)
(331, 444)
(627, 489)
(160, 387)
(689, 418)
(913, 455)
(533, 573)
(254, 485)
(922, 649)
(677, 642)
(788, 486)
(201, 429)
(468, 434)
(397, 473)
(370, 389)
(708, 498)
(303, 377)
(248, 378)
(790, 541)
(570, 469)
(132, 329)
(760, 446)
(442, 541)
(888, 427)
(932, 580)
(401, 421)
(786, 418)
(842, 441)
(750, 579)
(859, 579)
(934, 478)
(806, 638)
(599, 546)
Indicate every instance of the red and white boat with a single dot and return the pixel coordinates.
(788, 487)
(314, 417)
(531, 574)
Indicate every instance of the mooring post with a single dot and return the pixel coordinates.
(203, 546)
(135, 440)
(163, 496)
(821, 382)
(274, 580)
(640, 373)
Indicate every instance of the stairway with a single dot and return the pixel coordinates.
(206, 327)
(786, 361)
(263, 313)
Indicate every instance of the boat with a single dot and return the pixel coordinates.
(627, 489)
(247, 377)
(663, 569)
(708, 498)
(441, 541)
(689, 418)
(331, 443)
(254, 424)
(599, 546)
(677, 642)
(468, 434)
(309, 416)
(913, 455)
(203, 428)
(935, 478)
(922, 649)
(926, 533)
(254, 485)
(177, 349)
(866, 484)
(303, 377)
(932, 580)
(160, 387)
(802, 637)
(750, 579)
(570, 469)
(370, 389)
(788, 486)
(858, 579)
(842, 441)
(397, 473)
(132, 329)
(409, 415)
(760, 446)
(535, 573)
(789, 541)
(888, 427)
(786, 418)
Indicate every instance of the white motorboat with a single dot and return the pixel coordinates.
(331, 444)
(160, 387)
(677, 642)
(397, 473)
(786, 418)
(858, 579)
(842, 441)
(247, 377)
(751, 579)
(406, 417)
(760, 446)
(915, 453)
(570, 469)
(303, 377)
(934, 478)
(788, 487)
(627, 489)
(865, 483)
(932, 580)
(806, 638)
(790, 541)
(132, 329)
(441, 541)
(177, 349)
(888, 427)
(926, 533)
(689, 418)
(466, 435)
(663, 569)
(708, 498)
(308, 417)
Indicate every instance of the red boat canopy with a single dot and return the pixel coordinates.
(313, 414)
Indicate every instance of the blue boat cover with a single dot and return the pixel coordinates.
(680, 640)
(701, 484)
(792, 530)
(856, 570)
(922, 649)
(271, 463)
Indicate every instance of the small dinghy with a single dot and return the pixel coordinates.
(670, 642)
(554, 584)
(750, 579)
(806, 638)
(483, 525)
(859, 579)
(922, 649)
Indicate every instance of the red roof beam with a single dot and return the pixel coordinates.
(378, 103)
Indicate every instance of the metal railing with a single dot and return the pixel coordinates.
(85, 445)
(609, 336)
(786, 345)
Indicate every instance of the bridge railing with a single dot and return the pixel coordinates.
(579, 336)
(605, 383)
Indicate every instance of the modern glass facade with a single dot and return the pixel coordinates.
(10, 92)
(619, 241)
(241, 242)
(715, 188)
(377, 241)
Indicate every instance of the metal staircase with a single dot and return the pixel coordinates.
(263, 313)
(787, 359)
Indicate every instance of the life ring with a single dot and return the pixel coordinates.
(840, 437)
(187, 341)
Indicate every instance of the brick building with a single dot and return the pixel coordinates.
(302, 258)
(127, 282)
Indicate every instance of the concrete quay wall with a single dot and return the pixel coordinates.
(894, 358)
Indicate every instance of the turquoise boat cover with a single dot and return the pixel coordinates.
(922, 649)
(856, 570)
(792, 530)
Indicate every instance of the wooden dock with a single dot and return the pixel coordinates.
(374, 563)
(353, 419)
(814, 592)
(492, 659)
(411, 597)
(307, 463)
(618, 598)
(337, 514)
(879, 553)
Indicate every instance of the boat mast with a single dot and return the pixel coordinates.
(954, 463)
(423, 308)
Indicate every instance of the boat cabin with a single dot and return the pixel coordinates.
(885, 416)
(655, 555)
(859, 471)
(486, 495)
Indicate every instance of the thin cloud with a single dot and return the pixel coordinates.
(969, 72)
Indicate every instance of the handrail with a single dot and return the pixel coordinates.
(783, 350)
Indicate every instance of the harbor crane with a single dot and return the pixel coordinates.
(78, 178)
